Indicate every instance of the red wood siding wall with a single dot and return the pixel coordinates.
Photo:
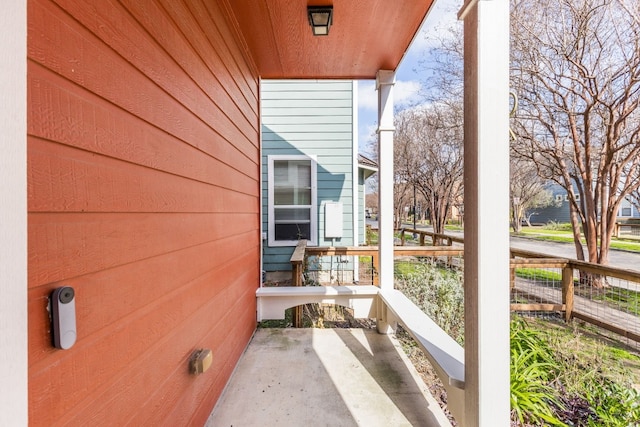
(143, 190)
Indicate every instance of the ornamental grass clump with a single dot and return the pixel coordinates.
(532, 367)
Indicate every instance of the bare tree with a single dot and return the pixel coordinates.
(401, 190)
(527, 191)
(576, 70)
(429, 142)
(440, 178)
(372, 202)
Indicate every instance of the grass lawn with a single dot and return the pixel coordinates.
(580, 346)
(538, 274)
(622, 299)
(565, 236)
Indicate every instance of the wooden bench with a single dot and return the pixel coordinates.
(273, 301)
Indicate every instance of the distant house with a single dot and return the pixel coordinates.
(627, 211)
(313, 178)
(558, 210)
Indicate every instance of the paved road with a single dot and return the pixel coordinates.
(620, 259)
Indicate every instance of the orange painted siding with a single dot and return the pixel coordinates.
(143, 193)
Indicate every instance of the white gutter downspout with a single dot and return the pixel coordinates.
(486, 187)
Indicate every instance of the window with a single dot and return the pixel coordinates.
(292, 200)
(625, 211)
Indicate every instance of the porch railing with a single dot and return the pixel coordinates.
(604, 296)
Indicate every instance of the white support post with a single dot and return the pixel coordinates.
(486, 188)
(385, 80)
(355, 171)
(13, 215)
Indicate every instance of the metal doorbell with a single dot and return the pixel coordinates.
(63, 317)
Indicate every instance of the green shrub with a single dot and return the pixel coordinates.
(438, 293)
(613, 404)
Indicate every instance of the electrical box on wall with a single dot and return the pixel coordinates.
(333, 220)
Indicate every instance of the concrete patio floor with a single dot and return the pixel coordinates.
(325, 377)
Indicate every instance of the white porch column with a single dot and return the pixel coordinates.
(355, 173)
(384, 84)
(486, 194)
(13, 215)
(385, 80)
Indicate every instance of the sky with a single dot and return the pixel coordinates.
(406, 91)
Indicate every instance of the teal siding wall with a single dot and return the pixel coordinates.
(314, 118)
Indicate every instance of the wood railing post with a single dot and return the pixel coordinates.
(512, 273)
(402, 237)
(449, 242)
(567, 292)
(297, 281)
(375, 261)
(512, 277)
(297, 270)
(421, 238)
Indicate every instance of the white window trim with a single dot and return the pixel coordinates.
(314, 201)
(622, 215)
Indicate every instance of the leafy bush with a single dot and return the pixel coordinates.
(437, 291)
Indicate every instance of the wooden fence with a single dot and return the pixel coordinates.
(575, 305)
(617, 321)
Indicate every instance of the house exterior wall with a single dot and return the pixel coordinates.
(628, 211)
(557, 211)
(312, 118)
(143, 195)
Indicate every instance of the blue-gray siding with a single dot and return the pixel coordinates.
(314, 118)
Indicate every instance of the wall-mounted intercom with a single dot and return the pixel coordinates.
(63, 317)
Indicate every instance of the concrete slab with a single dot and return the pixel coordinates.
(325, 377)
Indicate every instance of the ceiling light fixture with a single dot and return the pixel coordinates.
(320, 19)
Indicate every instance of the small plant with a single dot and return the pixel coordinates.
(558, 226)
(614, 405)
(371, 236)
(532, 367)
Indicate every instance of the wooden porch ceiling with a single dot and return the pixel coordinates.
(366, 36)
